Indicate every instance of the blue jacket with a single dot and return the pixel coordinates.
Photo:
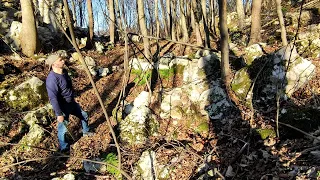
(60, 91)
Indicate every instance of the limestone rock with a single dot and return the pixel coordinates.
(183, 61)
(149, 169)
(241, 83)
(140, 64)
(33, 137)
(99, 47)
(90, 61)
(220, 104)
(166, 59)
(4, 23)
(36, 132)
(94, 167)
(286, 53)
(103, 71)
(39, 116)
(293, 18)
(299, 72)
(140, 123)
(142, 99)
(13, 36)
(133, 127)
(252, 52)
(75, 56)
(68, 176)
(27, 95)
(232, 21)
(201, 53)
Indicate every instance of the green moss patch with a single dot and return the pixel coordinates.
(112, 159)
(265, 133)
(203, 128)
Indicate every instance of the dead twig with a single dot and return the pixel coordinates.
(217, 172)
(239, 153)
(297, 129)
(309, 149)
(18, 144)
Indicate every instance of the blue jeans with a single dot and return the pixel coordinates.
(74, 109)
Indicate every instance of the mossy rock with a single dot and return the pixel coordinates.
(152, 126)
(27, 95)
(133, 129)
(252, 52)
(192, 56)
(177, 69)
(39, 116)
(265, 133)
(32, 138)
(202, 128)
(241, 83)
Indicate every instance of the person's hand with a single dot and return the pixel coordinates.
(60, 119)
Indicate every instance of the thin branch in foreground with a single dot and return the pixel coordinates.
(65, 156)
(297, 129)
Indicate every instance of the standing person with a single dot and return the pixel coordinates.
(61, 96)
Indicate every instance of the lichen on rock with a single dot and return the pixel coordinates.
(27, 95)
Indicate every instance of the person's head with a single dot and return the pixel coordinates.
(55, 61)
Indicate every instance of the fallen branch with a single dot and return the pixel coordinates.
(239, 153)
(18, 144)
(217, 172)
(297, 129)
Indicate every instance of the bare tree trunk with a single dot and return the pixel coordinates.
(123, 13)
(80, 12)
(164, 18)
(213, 17)
(192, 18)
(118, 19)
(148, 8)
(282, 26)
(169, 16)
(204, 9)
(225, 68)
(197, 17)
(205, 23)
(255, 35)
(74, 17)
(91, 22)
(156, 11)
(29, 36)
(67, 13)
(112, 21)
(247, 7)
(174, 21)
(138, 20)
(44, 11)
(183, 21)
(188, 12)
(240, 12)
(143, 27)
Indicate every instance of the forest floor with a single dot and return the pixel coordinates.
(221, 149)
